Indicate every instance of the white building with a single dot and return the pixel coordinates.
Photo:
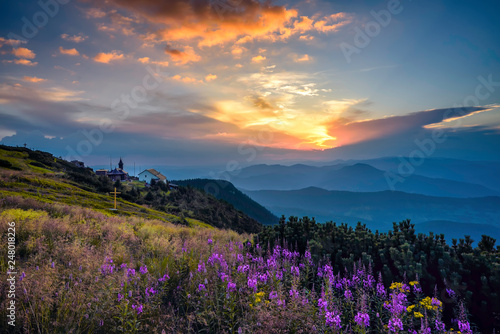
(151, 174)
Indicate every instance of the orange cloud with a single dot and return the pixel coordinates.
(332, 22)
(11, 42)
(23, 53)
(69, 52)
(183, 57)
(75, 38)
(258, 59)
(24, 62)
(106, 58)
(304, 58)
(33, 79)
(147, 60)
(187, 80)
(210, 77)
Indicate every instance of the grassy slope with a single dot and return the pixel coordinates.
(48, 186)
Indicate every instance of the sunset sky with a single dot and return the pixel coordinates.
(203, 82)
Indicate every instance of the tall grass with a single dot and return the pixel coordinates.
(82, 271)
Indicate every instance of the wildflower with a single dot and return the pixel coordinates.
(143, 270)
(279, 275)
(252, 283)
(37, 268)
(464, 326)
(440, 325)
(201, 287)
(210, 241)
(362, 319)
(123, 266)
(348, 294)
(273, 295)
(138, 308)
(231, 286)
(120, 297)
(130, 293)
(281, 302)
(418, 315)
(412, 283)
(131, 272)
(23, 275)
(164, 278)
(380, 290)
(295, 271)
(395, 324)
(333, 319)
(202, 267)
(101, 323)
(52, 265)
(294, 293)
(240, 258)
(451, 293)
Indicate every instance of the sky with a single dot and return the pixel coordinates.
(237, 82)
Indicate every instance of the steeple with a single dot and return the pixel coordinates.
(120, 164)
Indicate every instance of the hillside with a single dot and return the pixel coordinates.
(226, 191)
(42, 177)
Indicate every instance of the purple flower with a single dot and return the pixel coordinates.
(130, 293)
(231, 286)
(120, 297)
(164, 278)
(362, 319)
(273, 295)
(201, 287)
(295, 271)
(202, 267)
(333, 319)
(52, 265)
(123, 266)
(294, 293)
(281, 302)
(130, 272)
(143, 270)
(440, 325)
(252, 283)
(451, 293)
(395, 324)
(464, 326)
(279, 275)
(348, 294)
(210, 241)
(138, 308)
(23, 275)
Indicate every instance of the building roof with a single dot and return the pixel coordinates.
(117, 171)
(156, 173)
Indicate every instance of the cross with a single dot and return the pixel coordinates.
(115, 193)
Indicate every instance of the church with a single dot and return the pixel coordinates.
(115, 174)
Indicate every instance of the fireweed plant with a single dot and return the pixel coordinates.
(85, 272)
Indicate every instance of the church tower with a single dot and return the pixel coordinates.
(120, 164)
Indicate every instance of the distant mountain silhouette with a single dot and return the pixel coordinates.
(356, 177)
(378, 209)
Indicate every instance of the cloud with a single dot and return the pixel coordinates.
(304, 58)
(187, 80)
(207, 23)
(11, 42)
(75, 38)
(147, 60)
(69, 52)
(34, 79)
(258, 59)
(360, 131)
(106, 58)
(23, 53)
(210, 77)
(183, 57)
(24, 62)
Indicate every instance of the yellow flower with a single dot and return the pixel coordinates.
(260, 294)
(257, 300)
(418, 315)
(410, 308)
(412, 283)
